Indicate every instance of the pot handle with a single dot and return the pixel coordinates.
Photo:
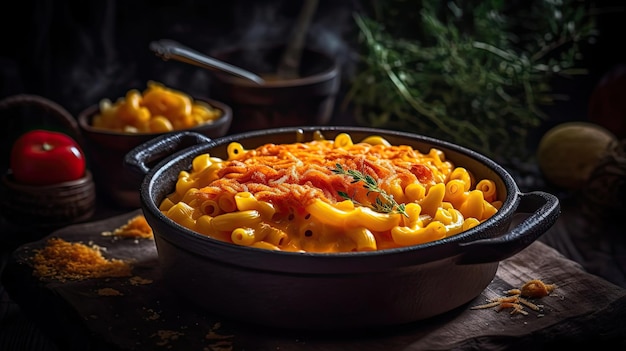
(157, 149)
(544, 209)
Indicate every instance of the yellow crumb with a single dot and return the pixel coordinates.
(63, 260)
(153, 315)
(136, 227)
(536, 288)
(532, 289)
(139, 281)
(109, 292)
(166, 336)
(219, 341)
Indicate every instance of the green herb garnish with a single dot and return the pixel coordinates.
(385, 203)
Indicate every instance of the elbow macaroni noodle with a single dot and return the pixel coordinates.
(287, 197)
(158, 109)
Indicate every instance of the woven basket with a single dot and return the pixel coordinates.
(48, 206)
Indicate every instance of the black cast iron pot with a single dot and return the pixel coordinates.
(339, 290)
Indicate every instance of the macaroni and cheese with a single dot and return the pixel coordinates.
(158, 109)
(329, 196)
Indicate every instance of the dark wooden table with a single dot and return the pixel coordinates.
(586, 309)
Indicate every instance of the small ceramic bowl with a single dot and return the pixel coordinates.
(308, 99)
(106, 150)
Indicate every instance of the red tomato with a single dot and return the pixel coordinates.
(42, 157)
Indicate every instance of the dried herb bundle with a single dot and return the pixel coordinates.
(474, 75)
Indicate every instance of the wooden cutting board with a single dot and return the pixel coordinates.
(144, 314)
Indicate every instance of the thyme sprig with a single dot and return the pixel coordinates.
(385, 203)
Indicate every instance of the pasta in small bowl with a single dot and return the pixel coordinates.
(331, 227)
(114, 127)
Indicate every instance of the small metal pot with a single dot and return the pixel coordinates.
(341, 290)
(278, 102)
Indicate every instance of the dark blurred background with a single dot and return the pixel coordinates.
(77, 52)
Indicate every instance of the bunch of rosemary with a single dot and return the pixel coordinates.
(471, 72)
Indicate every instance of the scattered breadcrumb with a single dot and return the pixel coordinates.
(536, 288)
(63, 260)
(166, 336)
(213, 335)
(221, 345)
(136, 227)
(218, 341)
(153, 315)
(109, 292)
(516, 301)
(139, 281)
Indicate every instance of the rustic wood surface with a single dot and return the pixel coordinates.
(584, 309)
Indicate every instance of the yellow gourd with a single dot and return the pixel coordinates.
(568, 153)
